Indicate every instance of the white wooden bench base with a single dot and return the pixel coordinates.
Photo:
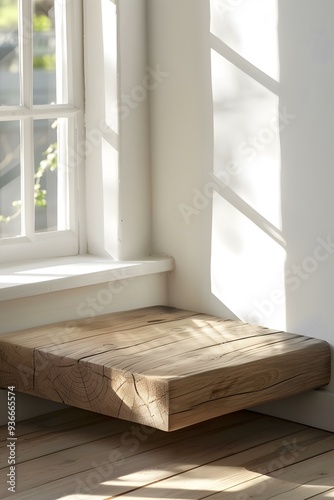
(163, 367)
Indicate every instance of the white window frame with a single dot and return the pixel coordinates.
(112, 183)
(66, 240)
(118, 174)
(114, 199)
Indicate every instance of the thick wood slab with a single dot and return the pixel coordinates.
(162, 367)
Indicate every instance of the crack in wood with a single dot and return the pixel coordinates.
(165, 372)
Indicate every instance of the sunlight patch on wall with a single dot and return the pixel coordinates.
(246, 137)
(248, 251)
(250, 28)
(247, 119)
(247, 267)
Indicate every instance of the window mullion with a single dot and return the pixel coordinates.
(62, 14)
(39, 111)
(63, 196)
(27, 138)
(62, 54)
(25, 47)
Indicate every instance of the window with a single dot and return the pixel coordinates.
(41, 121)
(41, 52)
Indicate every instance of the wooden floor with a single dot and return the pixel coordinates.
(74, 454)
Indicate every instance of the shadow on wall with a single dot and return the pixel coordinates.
(306, 43)
(272, 236)
(248, 247)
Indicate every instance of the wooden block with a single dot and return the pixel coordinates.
(162, 367)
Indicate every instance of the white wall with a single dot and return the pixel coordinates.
(256, 249)
(182, 145)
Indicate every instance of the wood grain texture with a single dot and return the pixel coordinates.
(162, 367)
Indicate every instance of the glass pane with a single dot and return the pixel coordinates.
(46, 173)
(10, 179)
(44, 52)
(9, 53)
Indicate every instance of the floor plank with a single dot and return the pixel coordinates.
(327, 494)
(265, 460)
(318, 474)
(55, 421)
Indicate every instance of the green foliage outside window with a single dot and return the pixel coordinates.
(8, 14)
(41, 23)
(50, 162)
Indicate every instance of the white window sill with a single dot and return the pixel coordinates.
(64, 273)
